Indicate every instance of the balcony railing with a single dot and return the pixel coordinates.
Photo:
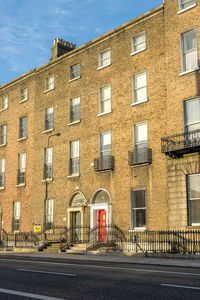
(104, 163)
(176, 146)
(140, 156)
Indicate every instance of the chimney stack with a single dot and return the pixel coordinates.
(61, 47)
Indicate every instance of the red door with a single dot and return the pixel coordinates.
(102, 225)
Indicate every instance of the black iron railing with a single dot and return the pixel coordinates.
(177, 145)
(140, 156)
(104, 163)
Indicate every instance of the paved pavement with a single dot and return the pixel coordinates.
(178, 260)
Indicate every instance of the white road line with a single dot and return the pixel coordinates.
(182, 286)
(29, 295)
(44, 272)
(103, 267)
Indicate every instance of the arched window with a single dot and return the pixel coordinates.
(78, 200)
(101, 196)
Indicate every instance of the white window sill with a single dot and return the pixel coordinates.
(139, 229)
(2, 145)
(137, 103)
(140, 165)
(3, 109)
(47, 131)
(20, 185)
(73, 79)
(48, 179)
(189, 71)
(22, 101)
(195, 224)
(2, 188)
(46, 91)
(75, 122)
(104, 113)
(102, 67)
(138, 51)
(22, 139)
(73, 176)
(185, 9)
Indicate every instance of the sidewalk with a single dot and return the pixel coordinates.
(177, 261)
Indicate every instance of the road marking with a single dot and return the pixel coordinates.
(182, 286)
(44, 272)
(103, 267)
(29, 295)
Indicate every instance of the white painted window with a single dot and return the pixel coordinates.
(22, 127)
(75, 71)
(139, 43)
(3, 134)
(194, 199)
(105, 99)
(48, 167)
(74, 157)
(24, 94)
(49, 113)
(140, 87)
(16, 216)
(49, 212)
(138, 209)
(50, 83)
(105, 143)
(4, 103)
(2, 172)
(141, 135)
(192, 114)
(184, 4)
(189, 50)
(75, 110)
(21, 168)
(104, 58)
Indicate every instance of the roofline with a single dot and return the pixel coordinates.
(90, 44)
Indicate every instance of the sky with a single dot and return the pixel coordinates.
(28, 27)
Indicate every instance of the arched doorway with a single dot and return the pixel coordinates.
(76, 216)
(100, 212)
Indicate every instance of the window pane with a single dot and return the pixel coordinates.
(139, 217)
(140, 80)
(192, 111)
(190, 40)
(194, 186)
(2, 165)
(141, 133)
(106, 106)
(22, 161)
(139, 199)
(104, 58)
(191, 60)
(195, 211)
(141, 94)
(49, 155)
(105, 92)
(74, 149)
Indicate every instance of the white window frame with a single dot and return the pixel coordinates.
(16, 212)
(49, 211)
(47, 118)
(134, 44)
(75, 74)
(74, 158)
(72, 110)
(192, 199)
(186, 123)
(135, 100)
(142, 228)
(24, 95)
(3, 135)
(101, 151)
(49, 83)
(101, 59)
(144, 142)
(4, 103)
(48, 161)
(22, 129)
(2, 171)
(21, 167)
(182, 2)
(183, 54)
(102, 100)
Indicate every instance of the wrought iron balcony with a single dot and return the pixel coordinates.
(176, 146)
(140, 156)
(104, 163)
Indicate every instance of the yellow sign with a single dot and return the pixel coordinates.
(37, 228)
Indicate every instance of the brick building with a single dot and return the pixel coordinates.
(80, 139)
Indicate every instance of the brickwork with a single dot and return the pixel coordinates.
(163, 180)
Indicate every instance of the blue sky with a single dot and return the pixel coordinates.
(28, 27)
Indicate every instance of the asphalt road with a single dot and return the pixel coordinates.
(76, 279)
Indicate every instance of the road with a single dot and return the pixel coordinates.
(35, 278)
